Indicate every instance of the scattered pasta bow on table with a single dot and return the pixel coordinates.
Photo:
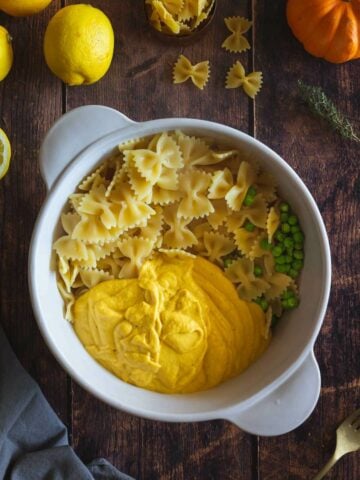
(199, 73)
(237, 42)
(251, 83)
(180, 195)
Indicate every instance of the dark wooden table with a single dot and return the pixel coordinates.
(139, 84)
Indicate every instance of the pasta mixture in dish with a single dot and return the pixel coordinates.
(173, 195)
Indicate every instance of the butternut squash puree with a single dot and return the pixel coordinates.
(179, 327)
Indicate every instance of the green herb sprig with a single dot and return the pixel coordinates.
(321, 105)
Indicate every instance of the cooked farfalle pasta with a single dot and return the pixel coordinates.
(153, 228)
(112, 265)
(92, 277)
(178, 234)
(68, 299)
(220, 214)
(86, 184)
(68, 273)
(278, 282)
(251, 83)
(194, 150)
(176, 252)
(257, 250)
(245, 240)
(217, 246)
(194, 186)
(257, 213)
(272, 222)
(69, 220)
(221, 183)
(245, 178)
(182, 195)
(241, 272)
(136, 250)
(199, 73)
(236, 42)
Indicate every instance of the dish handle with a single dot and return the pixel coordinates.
(72, 133)
(287, 407)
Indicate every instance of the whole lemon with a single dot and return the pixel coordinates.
(79, 44)
(6, 53)
(22, 8)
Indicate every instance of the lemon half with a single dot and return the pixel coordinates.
(5, 153)
(79, 44)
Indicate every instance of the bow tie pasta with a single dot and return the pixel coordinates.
(178, 17)
(183, 196)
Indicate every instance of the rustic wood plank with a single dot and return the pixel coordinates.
(139, 85)
(30, 102)
(329, 167)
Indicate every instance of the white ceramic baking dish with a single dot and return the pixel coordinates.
(274, 395)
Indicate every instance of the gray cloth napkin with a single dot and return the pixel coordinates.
(33, 441)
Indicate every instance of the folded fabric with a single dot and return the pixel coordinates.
(33, 441)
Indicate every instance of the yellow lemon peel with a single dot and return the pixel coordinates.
(79, 44)
(5, 153)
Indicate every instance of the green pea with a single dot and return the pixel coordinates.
(249, 200)
(293, 220)
(288, 259)
(265, 245)
(285, 227)
(298, 245)
(292, 273)
(295, 229)
(258, 300)
(288, 242)
(287, 267)
(284, 207)
(274, 320)
(289, 251)
(277, 251)
(280, 260)
(279, 236)
(284, 304)
(293, 302)
(280, 268)
(298, 254)
(284, 217)
(287, 294)
(298, 237)
(258, 271)
(252, 191)
(297, 264)
(264, 304)
(227, 262)
(250, 227)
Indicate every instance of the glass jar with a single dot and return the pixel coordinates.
(170, 27)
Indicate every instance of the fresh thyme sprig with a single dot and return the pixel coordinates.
(321, 105)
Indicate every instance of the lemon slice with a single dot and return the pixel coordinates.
(5, 153)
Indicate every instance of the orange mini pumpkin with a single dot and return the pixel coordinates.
(327, 28)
